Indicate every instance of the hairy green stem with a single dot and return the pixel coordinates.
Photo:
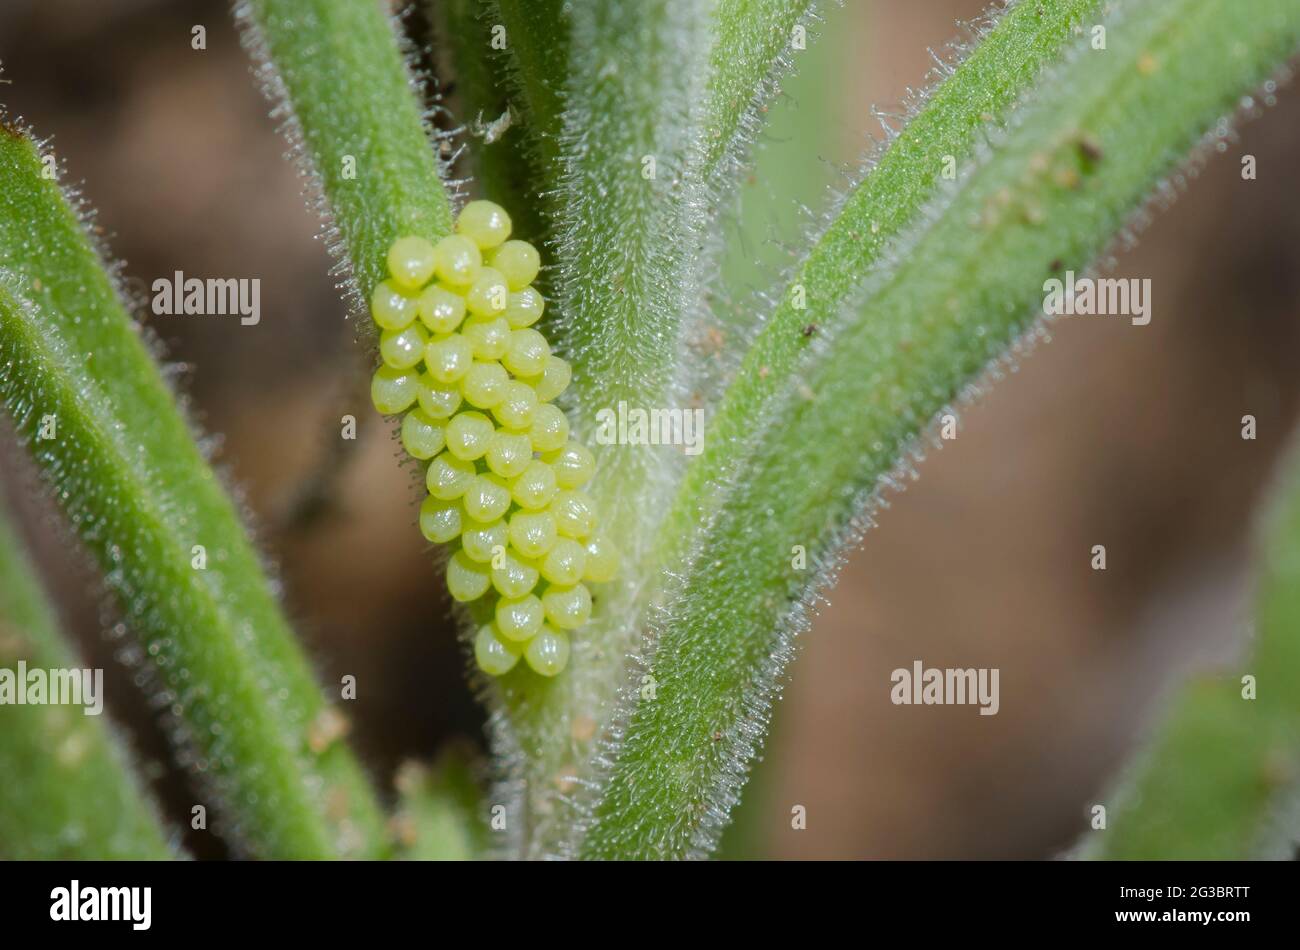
(979, 95)
(69, 791)
(336, 72)
(1091, 142)
(86, 396)
(751, 39)
(626, 209)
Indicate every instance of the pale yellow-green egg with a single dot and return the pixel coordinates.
(518, 261)
(440, 521)
(518, 405)
(484, 222)
(554, 379)
(422, 436)
(468, 435)
(410, 262)
(509, 453)
(527, 352)
(448, 358)
(493, 654)
(457, 260)
(440, 310)
(574, 465)
(513, 575)
(438, 400)
(548, 652)
(532, 533)
(567, 607)
(602, 560)
(489, 336)
(524, 308)
(466, 580)
(534, 487)
(565, 563)
(550, 429)
(575, 514)
(519, 618)
(489, 295)
(485, 384)
(393, 390)
(403, 349)
(391, 308)
(481, 541)
(448, 477)
(487, 497)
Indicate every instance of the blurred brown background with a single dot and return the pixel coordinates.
(1112, 434)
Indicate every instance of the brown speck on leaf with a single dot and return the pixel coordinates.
(763, 372)
(714, 340)
(1090, 149)
(72, 750)
(583, 728)
(37, 285)
(566, 781)
(403, 830)
(328, 727)
(1277, 769)
(411, 775)
(13, 645)
(1055, 265)
(1147, 63)
(809, 330)
(1067, 178)
(336, 803)
(717, 736)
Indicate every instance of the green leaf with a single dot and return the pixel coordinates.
(627, 208)
(505, 150)
(139, 494)
(69, 792)
(1221, 779)
(437, 818)
(352, 111)
(537, 37)
(752, 45)
(953, 121)
(1095, 136)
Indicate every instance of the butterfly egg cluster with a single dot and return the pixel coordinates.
(504, 478)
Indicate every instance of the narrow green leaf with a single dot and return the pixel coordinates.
(1221, 779)
(68, 791)
(136, 489)
(438, 816)
(627, 209)
(1094, 138)
(537, 37)
(961, 110)
(753, 43)
(504, 149)
(351, 109)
